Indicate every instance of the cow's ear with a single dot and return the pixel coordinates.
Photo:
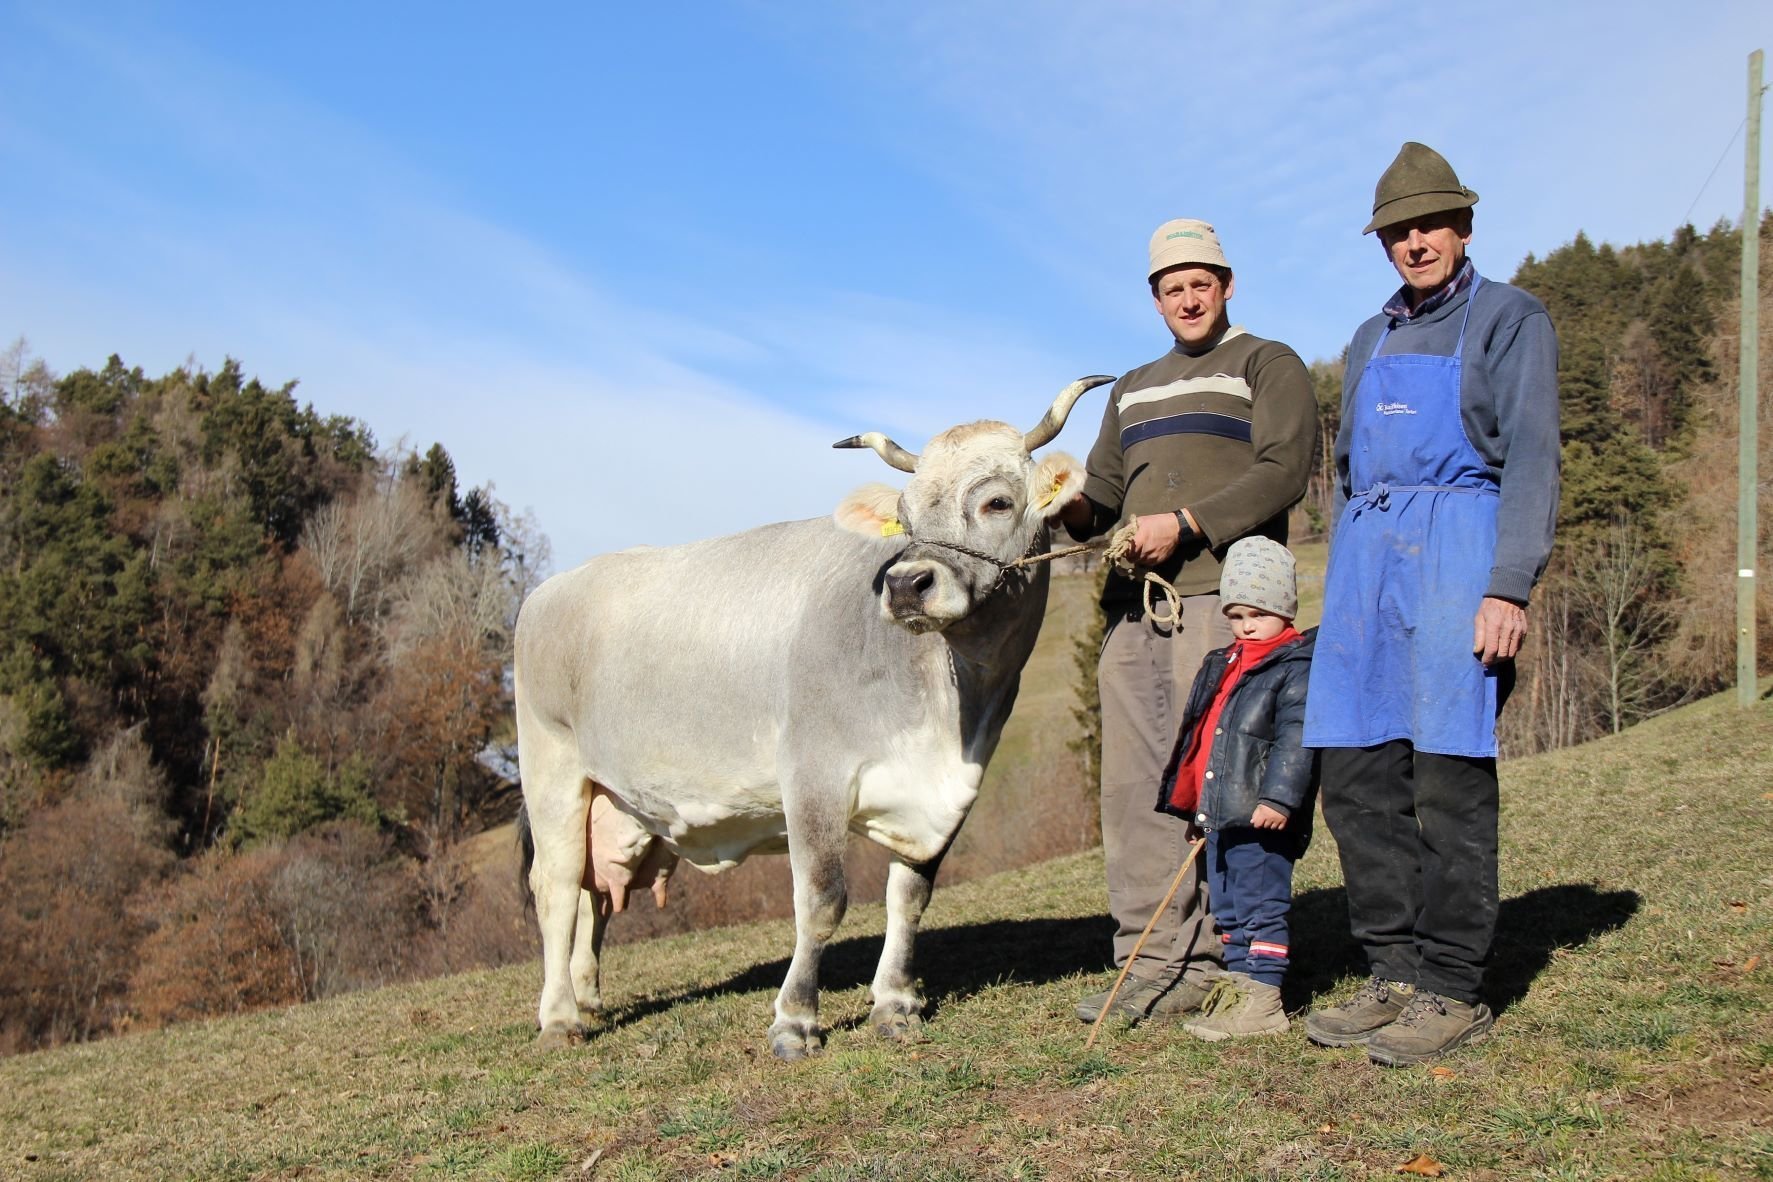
(872, 511)
(1057, 481)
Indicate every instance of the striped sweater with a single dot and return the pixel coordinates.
(1229, 434)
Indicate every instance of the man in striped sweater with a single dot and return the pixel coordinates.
(1210, 443)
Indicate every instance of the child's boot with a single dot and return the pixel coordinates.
(1244, 1009)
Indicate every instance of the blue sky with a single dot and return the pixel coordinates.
(639, 265)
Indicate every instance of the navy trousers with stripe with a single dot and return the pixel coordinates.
(1250, 883)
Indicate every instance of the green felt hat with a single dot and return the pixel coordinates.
(1419, 181)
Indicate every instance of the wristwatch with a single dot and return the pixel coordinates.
(1182, 520)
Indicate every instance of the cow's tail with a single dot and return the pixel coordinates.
(526, 849)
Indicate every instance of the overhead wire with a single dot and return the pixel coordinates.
(1687, 217)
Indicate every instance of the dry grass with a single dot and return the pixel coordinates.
(1635, 1037)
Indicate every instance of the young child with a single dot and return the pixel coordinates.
(1238, 771)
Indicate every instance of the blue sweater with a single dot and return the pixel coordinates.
(1508, 399)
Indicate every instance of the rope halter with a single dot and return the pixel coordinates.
(1032, 555)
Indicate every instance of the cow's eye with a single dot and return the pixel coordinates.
(999, 505)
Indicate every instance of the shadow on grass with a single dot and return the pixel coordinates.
(1534, 926)
(952, 961)
(1530, 929)
(1322, 950)
(962, 960)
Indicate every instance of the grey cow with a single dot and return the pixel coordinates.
(781, 689)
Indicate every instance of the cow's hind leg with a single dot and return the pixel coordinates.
(898, 1008)
(815, 853)
(594, 913)
(559, 801)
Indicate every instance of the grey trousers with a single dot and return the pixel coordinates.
(1144, 677)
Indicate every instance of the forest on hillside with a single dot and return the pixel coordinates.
(253, 666)
(249, 668)
(1637, 611)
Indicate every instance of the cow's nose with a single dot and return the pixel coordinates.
(910, 586)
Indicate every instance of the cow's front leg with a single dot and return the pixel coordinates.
(898, 1008)
(816, 838)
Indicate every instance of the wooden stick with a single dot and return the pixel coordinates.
(1193, 853)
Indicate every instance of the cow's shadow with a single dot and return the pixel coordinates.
(962, 960)
(951, 962)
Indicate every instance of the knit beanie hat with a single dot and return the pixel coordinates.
(1258, 573)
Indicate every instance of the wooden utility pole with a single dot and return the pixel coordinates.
(1748, 435)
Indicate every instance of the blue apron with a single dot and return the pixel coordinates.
(1409, 563)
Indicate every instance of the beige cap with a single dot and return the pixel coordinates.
(1184, 241)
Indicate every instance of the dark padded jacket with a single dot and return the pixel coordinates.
(1258, 759)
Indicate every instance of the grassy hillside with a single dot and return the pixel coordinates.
(1635, 1037)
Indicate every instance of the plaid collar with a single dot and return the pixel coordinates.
(1398, 306)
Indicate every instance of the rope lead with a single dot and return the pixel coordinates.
(1114, 550)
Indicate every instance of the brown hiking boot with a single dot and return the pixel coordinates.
(1378, 1004)
(1430, 1026)
(1140, 999)
(1239, 1008)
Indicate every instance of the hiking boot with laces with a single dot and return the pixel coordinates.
(1378, 1004)
(1430, 1026)
(1240, 1008)
(1140, 999)
(1222, 991)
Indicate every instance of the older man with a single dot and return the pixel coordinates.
(1447, 467)
(1211, 442)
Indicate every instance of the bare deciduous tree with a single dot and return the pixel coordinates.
(450, 596)
(348, 913)
(362, 545)
(1549, 707)
(1616, 593)
(66, 879)
(123, 771)
(215, 948)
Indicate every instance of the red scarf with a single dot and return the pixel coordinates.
(1244, 654)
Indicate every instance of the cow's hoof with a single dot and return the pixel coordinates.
(789, 1043)
(896, 1024)
(558, 1036)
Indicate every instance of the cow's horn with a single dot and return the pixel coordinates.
(892, 453)
(1049, 426)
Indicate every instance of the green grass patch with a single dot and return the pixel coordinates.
(526, 1163)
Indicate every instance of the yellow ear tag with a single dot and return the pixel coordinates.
(891, 528)
(1058, 486)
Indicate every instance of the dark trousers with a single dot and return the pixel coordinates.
(1250, 883)
(1417, 837)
